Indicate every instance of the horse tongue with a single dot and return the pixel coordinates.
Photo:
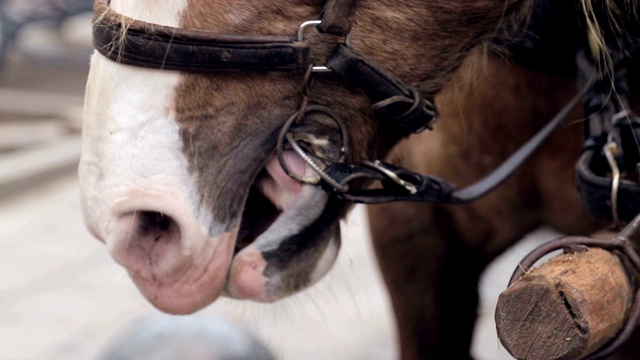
(279, 188)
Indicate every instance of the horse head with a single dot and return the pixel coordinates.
(179, 173)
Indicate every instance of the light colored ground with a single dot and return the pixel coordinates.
(62, 297)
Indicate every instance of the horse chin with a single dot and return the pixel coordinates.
(289, 236)
(201, 281)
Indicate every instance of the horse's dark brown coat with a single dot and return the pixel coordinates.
(444, 249)
(431, 256)
(423, 41)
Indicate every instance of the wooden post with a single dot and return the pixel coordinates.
(566, 308)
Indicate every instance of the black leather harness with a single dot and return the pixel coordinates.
(138, 43)
(608, 166)
(401, 107)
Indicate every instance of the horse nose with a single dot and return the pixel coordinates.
(149, 243)
(178, 262)
(150, 228)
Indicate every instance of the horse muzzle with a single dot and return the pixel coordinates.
(181, 260)
(178, 264)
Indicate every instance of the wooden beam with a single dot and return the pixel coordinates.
(566, 308)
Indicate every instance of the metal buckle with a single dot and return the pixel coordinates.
(379, 166)
(301, 29)
(315, 23)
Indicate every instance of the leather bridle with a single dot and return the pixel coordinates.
(133, 42)
(401, 108)
(138, 43)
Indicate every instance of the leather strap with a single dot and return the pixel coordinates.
(595, 189)
(137, 43)
(337, 17)
(608, 120)
(516, 159)
(427, 188)
(393, 101)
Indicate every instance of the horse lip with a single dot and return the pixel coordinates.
(195, 288)
(272, 193)
(294, 250)
(322, 142)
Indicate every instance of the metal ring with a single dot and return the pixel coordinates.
(320, 69)
(328, 179)
(284, 135)
(620, 115)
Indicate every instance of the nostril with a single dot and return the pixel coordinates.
(157, 225)
(164, 223)
(150, 244)
(154, 232)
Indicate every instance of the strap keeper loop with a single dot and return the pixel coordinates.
(420, 115)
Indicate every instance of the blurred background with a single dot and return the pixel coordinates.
(62, 297)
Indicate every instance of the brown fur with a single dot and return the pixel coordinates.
(443, 249)
(431, 256)
(438, 32)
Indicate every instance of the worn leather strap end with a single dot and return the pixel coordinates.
(337, 17)
(402, 105)
(414, 114)
(595, 190)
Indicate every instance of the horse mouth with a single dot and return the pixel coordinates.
(288, 236)
(286, 239)
(258, 215)
(271, 193)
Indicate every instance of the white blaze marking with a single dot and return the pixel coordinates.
(132, 140)
(167, 13)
